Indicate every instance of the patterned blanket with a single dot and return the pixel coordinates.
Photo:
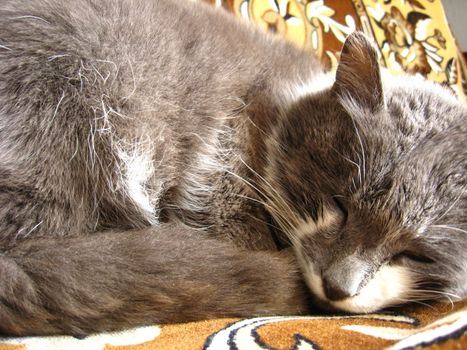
(441, 326)
(412, 36)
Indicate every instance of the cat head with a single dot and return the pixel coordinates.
(368, 180)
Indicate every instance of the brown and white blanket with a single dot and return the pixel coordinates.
(441, 326)
(321, 27)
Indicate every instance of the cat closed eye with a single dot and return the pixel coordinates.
(339, 202)
(413, 256)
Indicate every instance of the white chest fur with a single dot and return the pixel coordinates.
(137, 169)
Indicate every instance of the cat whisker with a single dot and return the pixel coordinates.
(283, 207)
(256, 201)
(275, 199)
(415, 301)
(264, 222)
(437, 292)
(449, 228)
(363, 160)
(283, 221)
(247, 182)
(449, 208)
(353, 163)
(427, 294)
(263, 180)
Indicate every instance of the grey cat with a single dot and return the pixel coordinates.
(161, 161)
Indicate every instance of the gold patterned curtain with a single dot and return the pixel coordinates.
(412, 35)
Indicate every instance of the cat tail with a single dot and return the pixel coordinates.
(113, 280)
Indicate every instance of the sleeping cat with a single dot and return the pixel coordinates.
(162, 162)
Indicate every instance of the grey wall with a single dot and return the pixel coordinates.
(456, 12)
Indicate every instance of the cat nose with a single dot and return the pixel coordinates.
(335, 291)
(343, 278)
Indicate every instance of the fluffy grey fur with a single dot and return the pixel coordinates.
(155, 155)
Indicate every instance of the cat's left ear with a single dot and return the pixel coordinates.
(358, 74)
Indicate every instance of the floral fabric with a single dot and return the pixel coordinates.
(412, 35)
(434, 327)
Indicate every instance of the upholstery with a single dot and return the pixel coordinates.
(412, 36)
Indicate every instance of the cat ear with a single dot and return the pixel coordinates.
(358, 73)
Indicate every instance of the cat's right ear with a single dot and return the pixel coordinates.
(358, 73)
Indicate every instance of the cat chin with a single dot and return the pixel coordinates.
(389, 286)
